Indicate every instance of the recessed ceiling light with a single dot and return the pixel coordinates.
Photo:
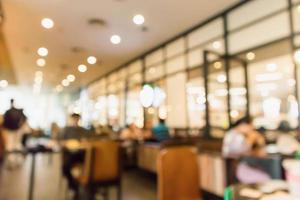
(82, 68)
(65, 82)
(47, 23)
(138, 19)
(216, 45)
(71, 78)
(297, 56)
(41, 62)
(115, 39)
(42, 51)
(3, 83)
(92, 60)
(250, 56)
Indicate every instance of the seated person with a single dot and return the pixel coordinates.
(241, 139)
(70, 134)
(131, 132)
(161, 131)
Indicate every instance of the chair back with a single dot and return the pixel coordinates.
(178, 174)
(2, 145)
(105, 162)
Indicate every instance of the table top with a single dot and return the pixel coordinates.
(271, 190)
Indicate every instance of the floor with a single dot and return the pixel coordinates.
(14, 184)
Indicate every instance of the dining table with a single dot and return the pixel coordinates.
(270, 190)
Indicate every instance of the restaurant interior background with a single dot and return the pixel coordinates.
(243, 61)
(249, 50)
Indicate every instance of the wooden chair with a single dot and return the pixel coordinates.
(2, 147)
(178, 177)
(102, 168)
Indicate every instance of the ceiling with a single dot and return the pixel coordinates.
(24, 34)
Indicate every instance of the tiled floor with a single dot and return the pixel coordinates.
(14, 184)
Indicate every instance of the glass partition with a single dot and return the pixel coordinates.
(217, 98)
(196, 99)
(238, 90)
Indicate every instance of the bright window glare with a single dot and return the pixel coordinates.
(41, 110)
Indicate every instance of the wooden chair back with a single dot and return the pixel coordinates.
(102, 162)
(178, 177)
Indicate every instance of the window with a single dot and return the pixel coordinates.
(272, 87)
(176, 101)
(196, 99)
(296, 18)
(217, 97)
(158, 109)
(134, 112)
(238, 91)
(154, 72)
(253, 10)
(265, 31)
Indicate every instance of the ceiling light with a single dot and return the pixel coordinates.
(218, 65)
(272, 67)
(298, 8)
(115, 39)
(41, 62)
(221, 78)
(297, 56)
(82, 68)
(92, 60)
(138, 19)
(71, 78)
(216, 45)
(250, 56)
(47, 23)
(65, 83)
(42, 51)
(3, 83)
